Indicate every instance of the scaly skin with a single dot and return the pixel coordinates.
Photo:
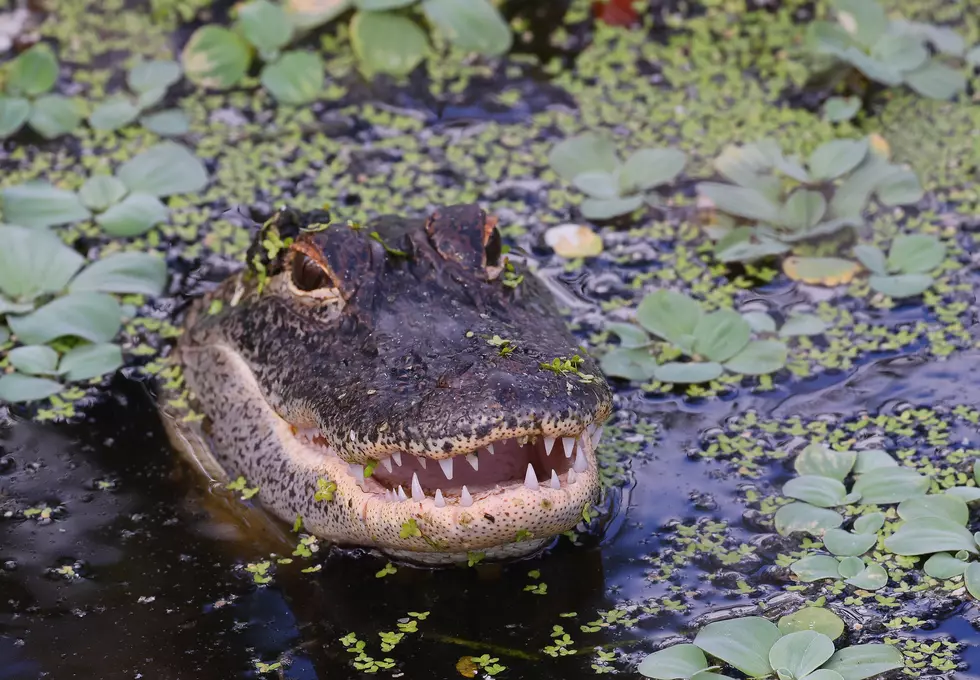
(340, 347)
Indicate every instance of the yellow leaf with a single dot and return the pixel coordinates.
(879, 145)
(825, 271)
(572, 240)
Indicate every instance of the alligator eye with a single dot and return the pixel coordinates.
(308, 275)
(493, 248)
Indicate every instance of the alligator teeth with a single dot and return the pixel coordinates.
(571, 477)
(568, 443)
(397, 457)
(357, 472)
(473, 460)
(582, 438)
(417, 494)
(590, 428)
(440, 501)
(555, 484)
(465, 499)
(596, 436)
(386, 462)
(580, 464)
(403, 497)
(530, 479)
(447, 467)
(422, 462)
(490, 448)
(549, 443)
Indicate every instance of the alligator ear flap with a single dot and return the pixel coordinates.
(465, 234)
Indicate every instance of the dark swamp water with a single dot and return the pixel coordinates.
(116, 559)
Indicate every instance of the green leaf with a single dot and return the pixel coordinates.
(971, 577)
(101, 191)
(148, 76)
(34, 262)
(587, 152)
(265, 25)
(900, 187)
(649, 168)
(607, 208)
(150, 98)
(816, 568)
(929, 535)
(134, 215)
(872, 577)
(91, 316)
(865, 20)
(85, 362)
(597, 183)
(804, 517)
(944, 566)
(760, 322)
(296, 78)
(687, 373)
(826, 38)
(935, 505)
(721, 335)
(169, 123)
(40, 204)
(851, 197)
(967, 494)
(821, 460)
(474, 25)
(845, 544)
(54, 115)
(822, 229)
(126, 273)
(890, 485)
(822, 492)
(872, 258)
(850, 567)
(33, 72)
(801, 653)
(758, 358)
(802, 324)
(837, 158)
(916, 254)
(34, 360)
(740, 201)
(630, 336)
(387, 43)
(802, 210)
(902, 52)
(669, 315)
(944, 39)
(10, 307)
(873, 460)
(743, 643)
(631, 364)
(113, 114)
(672, 663)
(839, 109)
(936, 80)
(14, 112)
(817, 619)
(745, 244)
(901, 285)
(164, 169)
(4, 333)
(305, 14)
(381, 5)
(865, 661)
(870, 523)
(973, 57)
(17, 387)
(216, 57)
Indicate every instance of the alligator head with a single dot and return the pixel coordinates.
(401, 385)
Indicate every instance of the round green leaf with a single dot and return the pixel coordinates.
(85, 362)
(851, 197)
(164, 169)
(872, 577)
(134, 215)
(916, 254)
(801, 653)
(804, 517)
(721, 335)
(758, 358)
(34, 262)
(870, 523)
(902, 52)
(837, 158)
(748, 161)
(669, 315)
(822, 492)
(125, 273)
(474, 25)
(587, 152)
(743, 643)
(872, 258)
(803, 209)
(839, 109)
(149, 76)
(850, 567)
(816, 568)
(631, 364)
(597, 184)
(873, 460)
(740, 201)
(17, 387)
(381, 5)
(40, 204)
(945, 40)
(265, 25)
(967, 494)
(387, 43)
(936, 80)
(760, 322)
(845, 544)
(101, 191)
(34, 360)
(802, 324)
(900, 187)
(824, 37)
(891, 485)
(648, 168)
(971, 577)
(91, 316)
(296, 78)
(864, 661)
(818, 619)
(34, 72)
(930, 535)
(630, 336)
(746, 244)
(672, 663)
(876, 70)
(607, 208)
(14, 112)
(216, 57)
(306, 14)
(935, 505)
(944, 566)
(687, 373)
(113, 114)
(150, 98)
(54, 115)
(864, 20)
(901, 285)
(821, 460)
(169, 123)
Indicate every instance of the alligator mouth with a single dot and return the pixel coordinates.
(528, 461)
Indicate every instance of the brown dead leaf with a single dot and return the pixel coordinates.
(466, 667)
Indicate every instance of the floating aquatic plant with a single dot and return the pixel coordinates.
(27, 99)
(929, 59)
(148, 82)
(591, 163)
(905, 272)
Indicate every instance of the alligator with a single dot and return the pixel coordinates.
(405, 385)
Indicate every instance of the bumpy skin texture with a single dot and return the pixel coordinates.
(398, 354)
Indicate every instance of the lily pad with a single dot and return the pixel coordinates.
(802, 210)
(944, 565)
(216, 57)
(929, 535)
(872, 577)
(54, 115)
(740, 201)
(839, 109)
(721, 334)
(387, 43)
(872, 258)
(821, 460)
(630, 336)
(607, 208)
(673, 663)
(936, 80)
(598, 183)
(822, 492)
(870, 523)
(891, 485)
(33, 72)
(18, 388)
(147, 76)
(85, 362)
(837, 158)
(474, 25)
(14, 112)
(915, 254)
(846, 544)
(135, 215)
(295, 78)
(935, 505)
(759, 357)
(819, 619)
(631, 364)
(265, 25)
(802, 324)
(101, 191)
(164, 169)
(125, 273)
(865, 661)
(743, 643)
(801, 653)
(900, 187)
(587, 152)
(687, 373)
(40, 204)
(807, 518)
(34, 262)
(648, 168)
(113, 114)
(169, 123)
(91, 316)
(669, 315)
(901, 285)
(34, 360)
(870, 460)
